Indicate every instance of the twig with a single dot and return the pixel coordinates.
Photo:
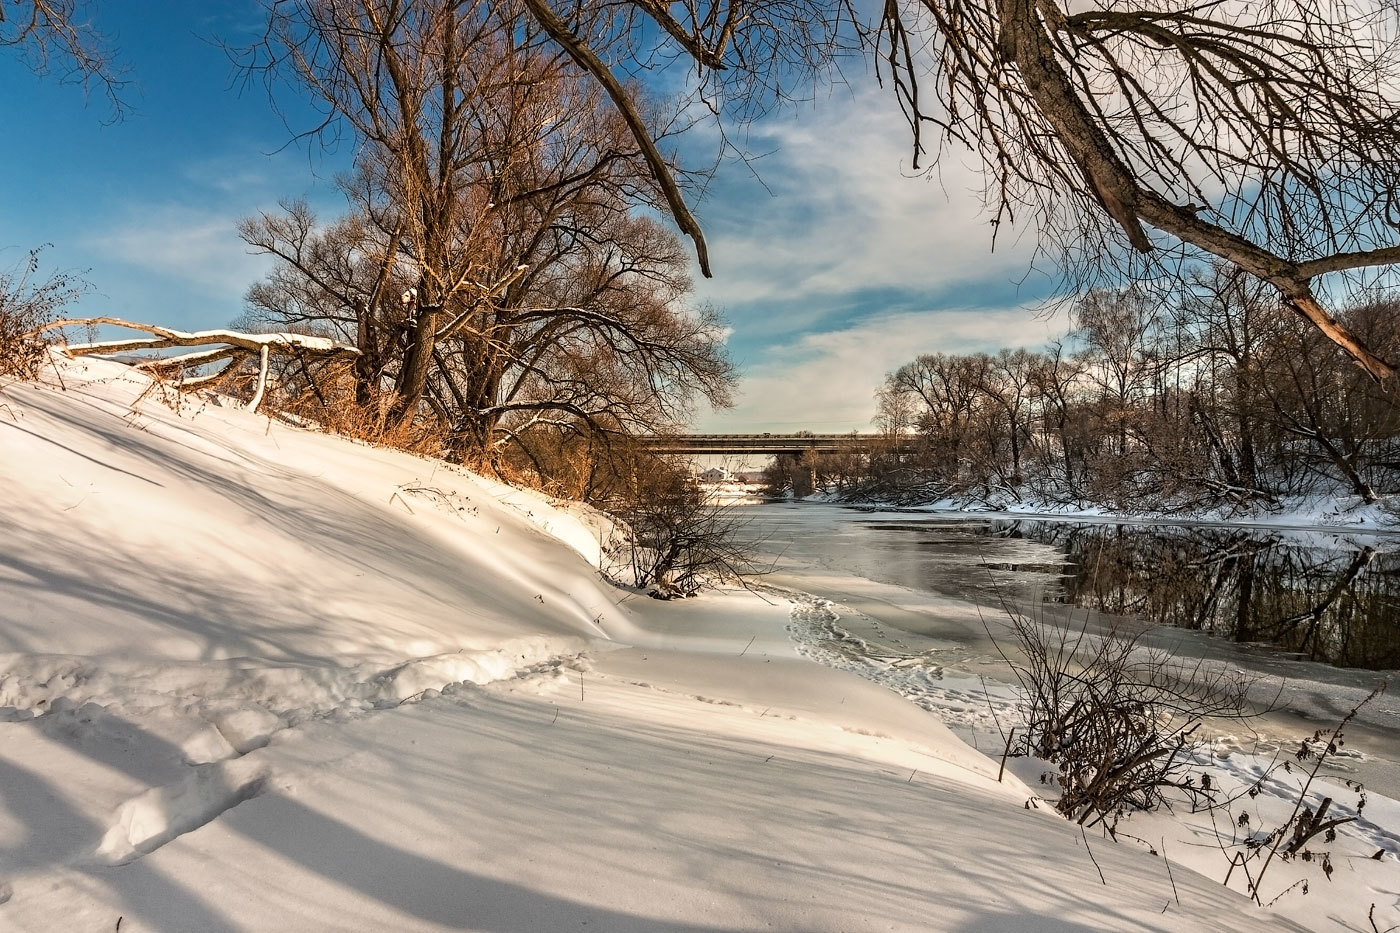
(1091, 855)
(746, 647)
(1302, 881)
(987, 696)
(1004, 752)
(1169, 871)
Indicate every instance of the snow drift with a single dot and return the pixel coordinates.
(259, 678)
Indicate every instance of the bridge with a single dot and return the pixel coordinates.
(763, 445)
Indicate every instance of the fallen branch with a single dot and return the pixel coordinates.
(164, 338)
(230, 345)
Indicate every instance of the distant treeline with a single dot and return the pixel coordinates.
(1216, 396)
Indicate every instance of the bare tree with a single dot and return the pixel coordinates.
(1260, 132)
(1008, 382)
(1116, 327)
(1223, 327)
(57, 36)
(946, 390)
(1061, 449)
(1221, 398)
(1350, 425)
(494, 271)
(404, 79)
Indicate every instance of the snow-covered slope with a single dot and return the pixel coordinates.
(258, 678)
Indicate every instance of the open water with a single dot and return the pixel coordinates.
(916, 600)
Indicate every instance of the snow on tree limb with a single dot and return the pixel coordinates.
(262, 380)
(164, 338)
(225, 345)
(167, 364)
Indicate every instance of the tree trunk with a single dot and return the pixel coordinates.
(417, 364)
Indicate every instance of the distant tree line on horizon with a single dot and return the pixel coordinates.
(1219, 396)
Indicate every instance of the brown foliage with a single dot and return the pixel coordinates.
(27, 303)
(494, 270)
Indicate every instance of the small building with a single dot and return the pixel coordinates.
(715, 475)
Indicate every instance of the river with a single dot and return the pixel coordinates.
(919, 601)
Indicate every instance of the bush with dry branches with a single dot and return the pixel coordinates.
(28, 302)
(678, 538)
(1117, 717)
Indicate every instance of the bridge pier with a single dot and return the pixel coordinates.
(804, 479)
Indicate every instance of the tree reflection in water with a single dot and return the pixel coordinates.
(1338, 604)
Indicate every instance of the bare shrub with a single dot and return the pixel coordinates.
(1307, 828)
(1117, 717)
(27, 303)
(678, 538)
(326, 395)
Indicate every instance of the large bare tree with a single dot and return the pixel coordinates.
(1262, 132)
(494, 268)
(1135, 133)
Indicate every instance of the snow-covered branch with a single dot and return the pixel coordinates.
(164, 338)
(226, 345)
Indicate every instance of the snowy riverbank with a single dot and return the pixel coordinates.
(257, 678)
(1319, 513)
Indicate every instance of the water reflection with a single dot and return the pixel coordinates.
(1339, 604)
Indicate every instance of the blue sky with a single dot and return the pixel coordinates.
(836, 268)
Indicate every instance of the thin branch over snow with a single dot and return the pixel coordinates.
(165, 338)
(230, 345)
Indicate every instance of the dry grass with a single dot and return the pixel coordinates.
(27, 302)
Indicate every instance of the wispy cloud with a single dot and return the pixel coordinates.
(179, 253)
(850, 263)
(845, 215)
(194, 247)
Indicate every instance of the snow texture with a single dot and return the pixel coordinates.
(253, 677)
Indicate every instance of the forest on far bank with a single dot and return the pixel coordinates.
(1214, 396)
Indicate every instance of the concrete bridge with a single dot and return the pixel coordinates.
(763, 445)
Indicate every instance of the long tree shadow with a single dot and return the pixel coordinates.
(590, 816)
(423, 887)
(51, 829)
(76, 453)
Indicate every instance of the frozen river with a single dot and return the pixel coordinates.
(917, 598)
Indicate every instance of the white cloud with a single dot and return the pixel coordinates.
(819, 278)
(198, 249)
(847, 214)
(826, 382)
